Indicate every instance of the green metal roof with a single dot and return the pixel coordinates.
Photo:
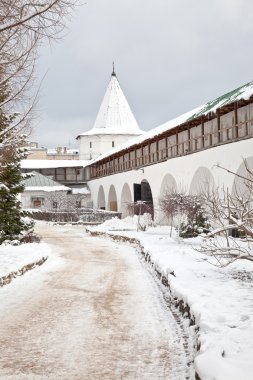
(243, 92)
(38, 180)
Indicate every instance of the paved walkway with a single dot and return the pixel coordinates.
(98, 315)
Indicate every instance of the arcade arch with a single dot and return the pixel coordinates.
(168, 185)
(126, 198)
(146, 192)
(202, 181)
(143, 192)
(239, 186)
(112, 199)
(101, 198)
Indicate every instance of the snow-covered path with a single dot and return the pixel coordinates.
(97, 315)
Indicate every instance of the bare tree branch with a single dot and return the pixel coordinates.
(23, 27)
(232, 216)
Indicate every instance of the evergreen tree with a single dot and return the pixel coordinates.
(11, 215)
(11, 223)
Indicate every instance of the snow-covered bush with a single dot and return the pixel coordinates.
(144, 221)
(140, 208)
(30, 237)
(145, 213)
(187, 210)
(197, 221)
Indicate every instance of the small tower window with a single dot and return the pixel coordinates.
(113, 144)
(90, 144)
(78, 203)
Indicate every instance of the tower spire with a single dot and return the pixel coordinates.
(114, 113)
(113, 71)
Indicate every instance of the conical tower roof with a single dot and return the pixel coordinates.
(115, 115)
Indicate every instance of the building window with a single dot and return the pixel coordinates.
(54, 205)
(78, 203)
(113, 144)
(90, 144)
(37, 202)
(60, 174)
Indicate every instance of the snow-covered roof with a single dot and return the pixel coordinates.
(109, 131)
(47, 189)
(81, 190)
(243, 92)
(49, 164)
(38, 181)
(61, 150)
(115, 115)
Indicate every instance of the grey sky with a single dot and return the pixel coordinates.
(170, 56)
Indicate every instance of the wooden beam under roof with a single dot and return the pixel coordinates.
(199, 120)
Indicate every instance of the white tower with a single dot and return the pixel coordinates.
(114, 125)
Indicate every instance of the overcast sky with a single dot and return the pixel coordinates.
(170, 56)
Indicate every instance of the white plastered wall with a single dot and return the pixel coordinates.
(26, 197)
(182, 169)
(92, 146)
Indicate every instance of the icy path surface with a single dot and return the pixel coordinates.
(98, 315)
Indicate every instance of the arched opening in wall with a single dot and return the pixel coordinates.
(143, 196)
(202, 181)
(242, 185)
(168, 186)
(101, 198)
(112, 199)
(242, 196)
(126, 200)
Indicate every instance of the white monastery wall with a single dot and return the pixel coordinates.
(92, 146)
(28, 196)
(190, 172)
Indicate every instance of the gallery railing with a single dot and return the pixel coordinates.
(226, 135)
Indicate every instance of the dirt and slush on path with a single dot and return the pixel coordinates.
(96, 315)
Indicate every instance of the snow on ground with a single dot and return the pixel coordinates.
(13, 258)
(221, 300)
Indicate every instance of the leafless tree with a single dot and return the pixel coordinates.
(63, 202)
(24, 26)
(145, 212)
(170, 204)
(182, 207)
(140, 208)
(232, 216)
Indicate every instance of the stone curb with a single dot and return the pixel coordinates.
(5, 280)
(180, 304)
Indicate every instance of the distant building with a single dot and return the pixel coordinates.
(63, 153)
(37, 188)
(36, 153)
(59, 153)
(43, 193)
(69, 173)
(114, 125)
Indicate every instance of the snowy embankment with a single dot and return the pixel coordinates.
(220, 300)
(17, 260)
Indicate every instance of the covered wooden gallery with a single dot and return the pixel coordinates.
(227, 119)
